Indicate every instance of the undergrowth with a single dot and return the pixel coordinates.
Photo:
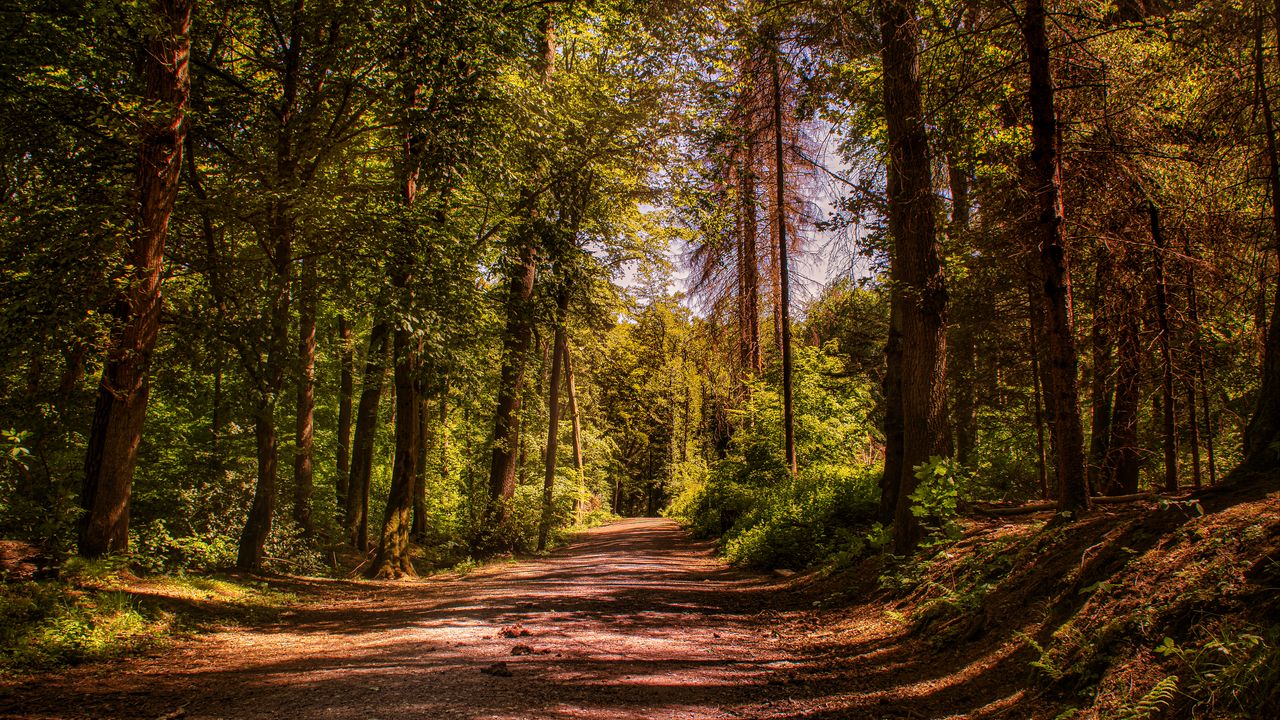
(97, 611)
(1161, 610)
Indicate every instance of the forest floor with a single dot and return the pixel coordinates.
(632, 620)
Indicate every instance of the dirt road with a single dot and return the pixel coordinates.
(634, 620)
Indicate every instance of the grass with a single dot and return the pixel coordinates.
(98, 611)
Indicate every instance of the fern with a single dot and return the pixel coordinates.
(1157, 700)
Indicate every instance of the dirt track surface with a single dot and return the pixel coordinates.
(634, 620)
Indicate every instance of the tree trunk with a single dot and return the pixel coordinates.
(1262, 434)
(891, 388)
(345, 392)
(1170, 424)
(553, 422)
(784, 276)
(516, 338)
(270, 381)
(121, 405)
(1100, 391)
(1122, 462)
(392, 559)
(1037, 391)
(1041, 367)
(962, 340)
(281, 229)
(258, 527)
(1063, 395)
(419, 529)
(917, 268)
(1193, 432)
(304, 432)
(572, 391)
(356, 517)
(749, 268)
(1193, 303)
(515, 347)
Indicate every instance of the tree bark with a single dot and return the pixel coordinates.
(517, 337)
(304, 431)
(1100, 390)
(1170, 421)
(962, 339)
(891, 389)
(1043, 380)
(1037, 391)
(553, 421)
(749, 269)
(784, 275)
(346, 390)
(121, 405)
(356, 517)
(419, 530)
(270, 380)
(1046, 184)
(1262, 434)
(258, 526)
(392, 559)
(917, 268)
(572, 392)
(1197, 348)
(281, 229)
(1193, 432)
(1122, 462)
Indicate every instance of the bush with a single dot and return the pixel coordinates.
(765, 517)
(803, 521)
(155, 549)
(43, 625)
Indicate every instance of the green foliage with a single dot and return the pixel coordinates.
(13, 453)
(1156, 700)
(1235, 670)
(43, 625)
(95, 613)
(803, 521)
(766, 518)
(935, 499)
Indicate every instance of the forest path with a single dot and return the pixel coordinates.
(632, 620)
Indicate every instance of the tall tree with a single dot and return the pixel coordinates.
(571, 390)
(784, 275)
(304, 426)
(122, 396)
(553, 420)
(1044, 177)
(919, 289)
(356, 512)
(1262, 434)
(1169, 424)
(517, 336)
(279, 237)
(346, 391)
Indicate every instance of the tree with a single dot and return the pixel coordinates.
(919, 290)
(559, 346)
(1262, 434)
(1045, 184)
(780, 219)
(122, 396)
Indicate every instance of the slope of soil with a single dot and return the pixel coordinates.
(1156, 609)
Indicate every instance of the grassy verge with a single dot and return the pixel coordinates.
(97, 611)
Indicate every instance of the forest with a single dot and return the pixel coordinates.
(961, 307)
